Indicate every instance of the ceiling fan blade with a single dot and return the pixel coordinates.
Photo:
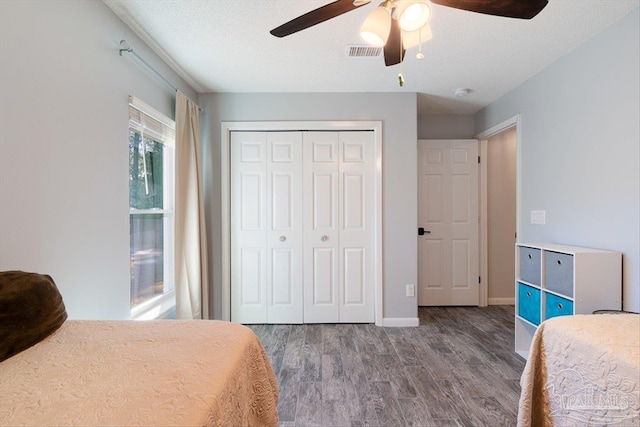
(523, 9)
(317, 16)
(393, 49)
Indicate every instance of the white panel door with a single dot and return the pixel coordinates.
(284, 235)
(266, 222)
(356, 217)
(448, 211)
(248, 227)
(321, 227)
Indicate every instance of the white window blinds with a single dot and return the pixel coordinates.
(151, 122)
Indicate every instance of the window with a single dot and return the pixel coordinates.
(151, 218)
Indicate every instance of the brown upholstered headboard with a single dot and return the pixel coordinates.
(31, 309)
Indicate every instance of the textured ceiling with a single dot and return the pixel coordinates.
(225, 46)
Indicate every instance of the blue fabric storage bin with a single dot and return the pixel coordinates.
(555, 306)
(529, 303)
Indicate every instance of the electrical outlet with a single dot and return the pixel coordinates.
(411, 290)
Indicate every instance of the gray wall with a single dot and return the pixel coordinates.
(580, 155)
(63, 147)
(397, 111)
(446, 126)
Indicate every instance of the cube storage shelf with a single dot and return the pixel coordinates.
(558, 280)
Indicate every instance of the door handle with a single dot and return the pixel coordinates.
(283, 238)
(422, 231)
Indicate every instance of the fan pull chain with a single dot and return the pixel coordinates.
(420, 55)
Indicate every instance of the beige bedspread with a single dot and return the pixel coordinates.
(583, 370)
(158, 373)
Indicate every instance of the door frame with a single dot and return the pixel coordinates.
(280, 126)
(483, 137)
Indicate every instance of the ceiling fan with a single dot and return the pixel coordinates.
(400, 24)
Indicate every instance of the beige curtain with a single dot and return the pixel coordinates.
(190, 236)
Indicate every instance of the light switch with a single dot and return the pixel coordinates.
(538, 217)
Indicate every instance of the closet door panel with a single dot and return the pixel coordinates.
(282, 201)
(284, 234)
(323, 200)
(321, 227)
(251, 278)
(354, 276)
(323, 277)
(248, 228)
(354, 186)
(282, 283)
(251, 207)
(356, 218)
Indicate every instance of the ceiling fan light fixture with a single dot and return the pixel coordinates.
(375, 29)
(413, 15)
(414, 38)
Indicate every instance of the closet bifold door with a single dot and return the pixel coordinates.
(321, 227)
(266, 227)
(339, 171)
(284, 225)
(356, 219)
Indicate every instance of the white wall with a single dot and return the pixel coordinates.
(63, 147)
(399, 180)
(580, 150)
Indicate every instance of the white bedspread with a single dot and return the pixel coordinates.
(583, 370)
(158, 373)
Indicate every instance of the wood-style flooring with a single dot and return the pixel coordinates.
(458, 368)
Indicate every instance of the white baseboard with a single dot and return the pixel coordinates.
(502, 301)
(400, 322)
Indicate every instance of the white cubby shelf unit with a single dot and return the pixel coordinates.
(559, 280)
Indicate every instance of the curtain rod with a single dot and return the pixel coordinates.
(125, 47)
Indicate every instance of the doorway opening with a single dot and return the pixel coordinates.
(499, 211)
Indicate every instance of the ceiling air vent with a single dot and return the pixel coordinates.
(363, 52)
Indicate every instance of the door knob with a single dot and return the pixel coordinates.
(324, 238)
(283, 238)
(422, 231)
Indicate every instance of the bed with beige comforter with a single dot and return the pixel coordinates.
(583, 370)
(126, 373)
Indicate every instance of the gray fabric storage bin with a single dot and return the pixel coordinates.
(559, 273)
(530, 265)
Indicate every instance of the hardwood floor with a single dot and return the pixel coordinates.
(458, 368)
